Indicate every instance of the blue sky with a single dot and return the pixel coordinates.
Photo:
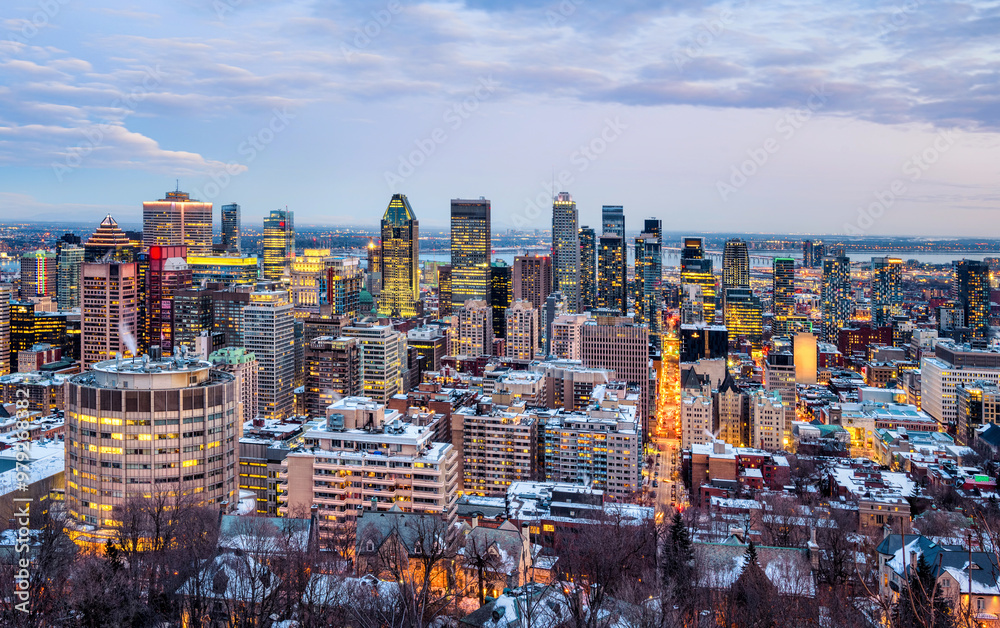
(800, 117)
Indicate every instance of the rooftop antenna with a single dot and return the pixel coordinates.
(178, 188)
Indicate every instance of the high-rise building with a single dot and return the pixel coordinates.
(532, 279)
(597, 448)
(971, 288)
(431, 345)
(501, 292)
(887, 295)
(836, 295)
(471, 333)
(499, 446)
(229, 269)
(109, 243)
(242, 364)
(807, 254)
(444, 291)
(744, 316)
(735, 266)
(333, 371)
(779, 377)
(784, 295)
(610, 285)
(567, 336)
(108, 316)
(703, 342)
(114, 449)
(588, 269)
(470, 250)
(768, 421)
(649, 276)
(566, 250)
(6, 294)
(696, 270)
(70, 264)
(177, 220)
(269, 332)
(400, 259)
(308, 279)
(383, 354)
(231, 239)
(278, 245)
(39, 270)
(621, 345)
(613, 221)
(167, 274)
(522, 331)
(344, 279)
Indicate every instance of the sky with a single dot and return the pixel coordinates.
(851, 117)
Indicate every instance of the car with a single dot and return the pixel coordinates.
(655, 483)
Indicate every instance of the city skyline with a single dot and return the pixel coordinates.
(762, 119)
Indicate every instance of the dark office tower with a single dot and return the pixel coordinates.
(501, 289)
(744, 316)
(332, 372)
(696, 269)
(807, 254)
(588, 269)
(735, 267)
(970, 286)
(887, 295)
(835, 295)
(653, 226)
(532, 279)
(176, 220)
(231, 228)
(470, 250)
(566, 250)
(648, 278)
(400, 259)
(613, 221)
(168, 273)
(374, 276)
(819, 252)
(610, 287)
(784, 295)
(444, 291)
(279, 244)
(109, 243)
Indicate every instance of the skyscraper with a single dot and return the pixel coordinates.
(6, 294)
(269, 332)
(610, 287)
(621, 345)
(648, 277)
(108, 317)
(70, 265)
(887, 296)
(566, 250)
(471, 332)
(784, 294)
(696, 269)
(971, 288)
(400, 259)
(532, 279)
(167, 274)
(444, 290)
(470, 250)
(279, 244)
(39, 270)
(522, 331)
(383, 351)
(178, 221)
(588, 269)
(613, 221)
(501, 290)
(735, 266)
(744, 316)
(807, 254)
(110, 242)
(835, 295)
(333, 371)
(231, 239)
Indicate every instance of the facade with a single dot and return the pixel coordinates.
(39, 274)
(567, 336)
(621, 345)
(383, 355)
(971, 289)
(232, 269)
(444, 290)
(732, 410)
(744, 316)
(269, 333)
(499, 446)
(243, 366)
(696, 270)
(649, 276)
(156, 427)
(779, 377)
(610, 282)
(364, 456)
(167, 273)
(176, 220)
(588, 269)
(598, 448)
(333, 371)
(471, 333)
(108, 317)
(6, 294)
(939, 380)
(613, 222)
(470, 250)
(784, 295)
(263, 448)
(532, 280)
(836, 295)
(887, 296)
(565, 250)
(278, 245)
(697, 412)
(501, 293)
(767, 421)
(431, 344)
(977, 404)
(109, 242)
(522, 331)
(735, 267)
(703, 342)
(344, 282)
(69, 266)
(231, 235)
(400, 259)
(308, 279)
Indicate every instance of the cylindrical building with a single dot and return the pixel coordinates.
(149, 426)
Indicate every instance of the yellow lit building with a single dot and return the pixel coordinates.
(223, 268)
(400, 259)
